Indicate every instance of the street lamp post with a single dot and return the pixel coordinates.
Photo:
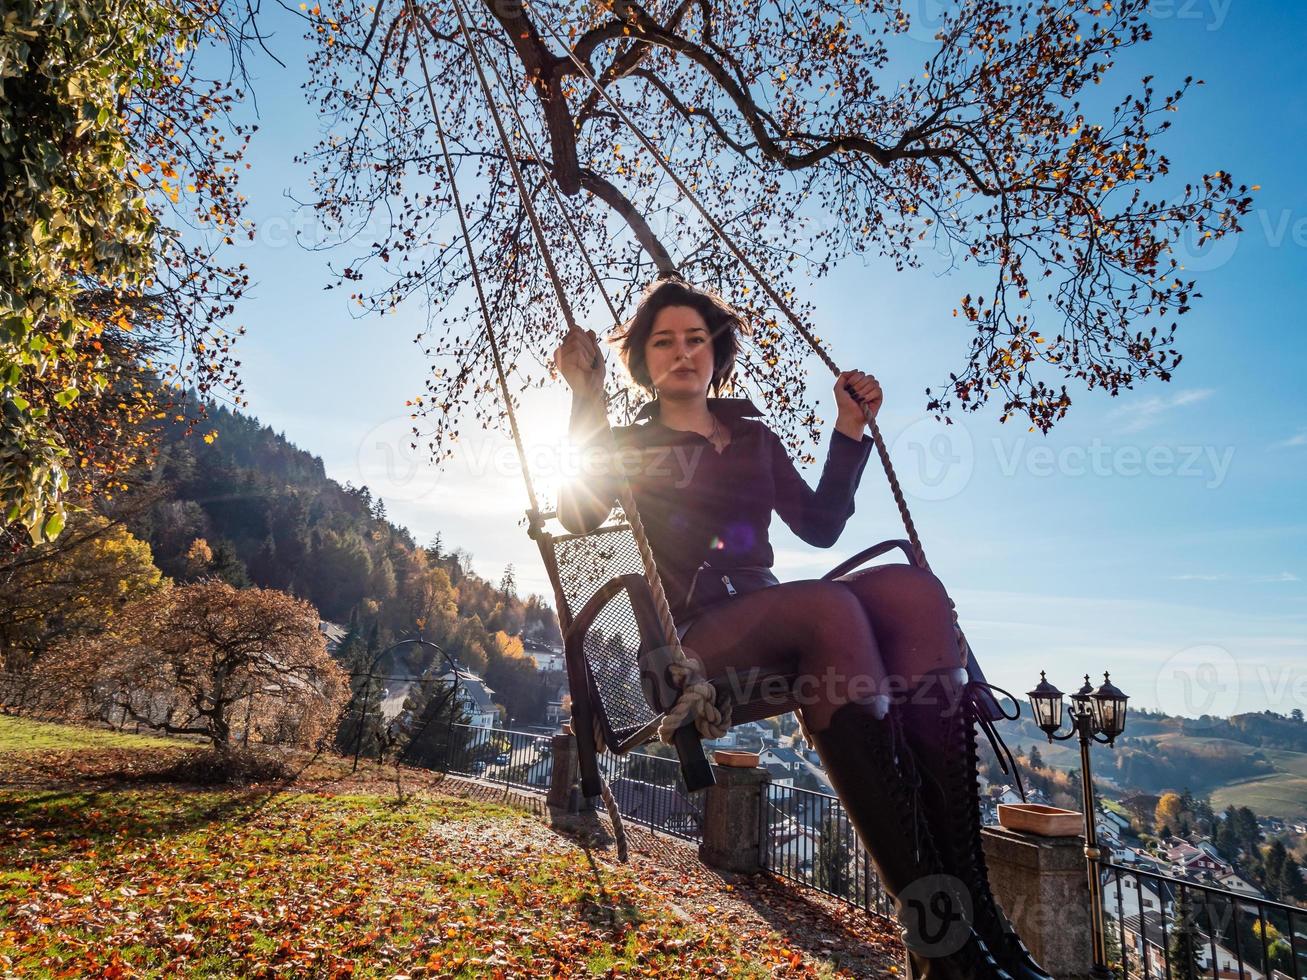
(1095, 716)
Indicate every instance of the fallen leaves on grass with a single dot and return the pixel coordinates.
(108, 869)
(157, 882)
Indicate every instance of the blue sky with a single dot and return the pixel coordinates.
(1159, 535)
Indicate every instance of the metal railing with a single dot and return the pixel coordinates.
(807, 838)
(1157, 927)
(1164, 928)
(650, 791)
(523, 760)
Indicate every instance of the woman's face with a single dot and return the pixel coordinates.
(679, 353)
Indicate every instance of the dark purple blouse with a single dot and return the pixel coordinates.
(700, 505)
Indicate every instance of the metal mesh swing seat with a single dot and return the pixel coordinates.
(629, 678)
(612, 642)
(612, 647)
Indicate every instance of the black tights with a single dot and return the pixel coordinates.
(815, 645)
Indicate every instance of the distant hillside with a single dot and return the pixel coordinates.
(244, 504)
(1255, 760)
(247, 505)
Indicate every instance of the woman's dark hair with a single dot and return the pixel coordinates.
(724, 327)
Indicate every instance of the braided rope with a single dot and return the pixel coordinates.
(694, 701)
(816, 345)
(476, 270)
(553, 190)
(615, 815)
(698, 698)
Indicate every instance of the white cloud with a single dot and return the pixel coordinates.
(1146, 412)
(1017, 634)
(1292, 442)
(1227, 577)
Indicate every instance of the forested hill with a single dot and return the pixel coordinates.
(241, 502)
(1257, 759)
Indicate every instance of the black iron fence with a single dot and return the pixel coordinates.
(807, 837)
(650, 791)
(523, 760)
(1158, 927)
(1164, 928)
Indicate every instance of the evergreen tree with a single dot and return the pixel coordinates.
(642, 767)
(290, 530)
(1036, 761)
(508, 583)
(429, 728)
(1184, 952)
(362, 725)
(1227, 838)
(830, 866)
(1273, 866)
(1291, 885)
(264, 569)
(1073, 784)
(228, 566)
(1250, 835)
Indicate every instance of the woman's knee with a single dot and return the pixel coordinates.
(831, 617)
(834, 607)
(898, 587)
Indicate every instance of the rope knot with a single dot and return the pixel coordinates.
(698, 701)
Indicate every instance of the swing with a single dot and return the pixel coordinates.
(629, 678)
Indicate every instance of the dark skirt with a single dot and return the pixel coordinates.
(713, 586)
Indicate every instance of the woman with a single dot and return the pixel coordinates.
(870, 659)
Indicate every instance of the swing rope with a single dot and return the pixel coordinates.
(878, 438)
(610, 802)
(697, 701)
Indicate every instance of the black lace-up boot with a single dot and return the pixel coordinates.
(939, 721)
(870, 766)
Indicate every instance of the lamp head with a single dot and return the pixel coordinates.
(1046, 703)
(1109, 705)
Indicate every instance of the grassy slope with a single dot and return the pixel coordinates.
(19, 735)
(1280, 794)
(1294, 763)
(154, 880)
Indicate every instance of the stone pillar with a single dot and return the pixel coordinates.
(732, 819)
(564, 779)
(1041, 884)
